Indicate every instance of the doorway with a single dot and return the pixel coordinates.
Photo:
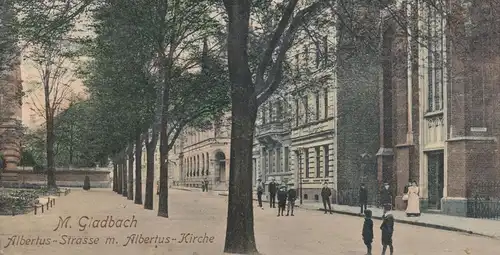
(220, 158)
(435, 179)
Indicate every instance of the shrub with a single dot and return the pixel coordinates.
(86, 183)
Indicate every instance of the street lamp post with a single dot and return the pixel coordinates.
(300, 174)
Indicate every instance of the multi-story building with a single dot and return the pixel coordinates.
(440, 103)
(203, 154)
(323, 125)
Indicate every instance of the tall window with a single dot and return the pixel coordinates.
(306, 109)
(325, 50)
(279, 110)
(297, 60)
(318, 54)
(287, 153)
(435, 47)
(325, 95)
(271, 112)
(317, 105)
(266, 160)
(297, 112)
(306, 159)
(271, 161)
(318, 162)
(306, 56)
(326, 155)
(263, 115)
(278, 159)
(208, 164)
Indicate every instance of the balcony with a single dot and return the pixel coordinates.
(272, 128)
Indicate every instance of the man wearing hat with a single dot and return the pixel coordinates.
(260, 191)
(386, 198)
(282, 195)
(272, 193)
(325, 196)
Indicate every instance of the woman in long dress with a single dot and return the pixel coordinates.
(413, 207)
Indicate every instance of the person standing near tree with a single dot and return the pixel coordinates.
(260, 191)
(325, 195)
(363, 197)
(272, 194)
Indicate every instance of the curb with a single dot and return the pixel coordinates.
(420, 224)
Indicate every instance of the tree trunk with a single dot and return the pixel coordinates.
(119, 178)
(124, 177)
(138, 169)
(240, 231)
(130, 177)
(163, 198)
(240, 236)
(115, 177)
(150, 173)
(49, 124)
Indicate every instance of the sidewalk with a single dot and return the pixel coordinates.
(482, 227)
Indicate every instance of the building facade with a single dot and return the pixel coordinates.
(203, 154)
(440, 103)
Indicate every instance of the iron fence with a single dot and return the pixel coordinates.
(348, 194)
(483, 200)
(483, 208)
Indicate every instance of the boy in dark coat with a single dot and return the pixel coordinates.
(363, 197)
(281, 200)
(292, 196)
(368, 231)
(387, 228)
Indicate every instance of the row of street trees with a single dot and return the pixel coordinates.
(155, 67)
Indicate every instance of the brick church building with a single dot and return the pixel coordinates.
(440, 102)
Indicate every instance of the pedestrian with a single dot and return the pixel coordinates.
(368, 231)
(387, 228)
(203, 186)
(260, 191)
(272, 194)
(206, 185)
(405, 194)
(292, 196)
(386, 198)
(363, 197)
(413, 206)
(325, 195)
(282, 194)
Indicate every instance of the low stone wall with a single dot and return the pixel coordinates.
(64, 178)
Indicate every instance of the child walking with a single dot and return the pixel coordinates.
(368, 231)
(387, 228)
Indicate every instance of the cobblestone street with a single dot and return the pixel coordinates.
(309, 232)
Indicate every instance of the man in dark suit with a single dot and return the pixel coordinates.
(325, 195)
(363, 197)
(386, 198)
(273, 188)
(272, 194)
